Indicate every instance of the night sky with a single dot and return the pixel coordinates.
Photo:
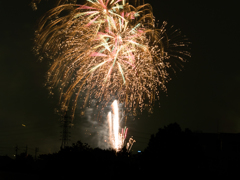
(203, 97)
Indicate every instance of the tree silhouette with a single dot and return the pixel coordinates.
(172, 149)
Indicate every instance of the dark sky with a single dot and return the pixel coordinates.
(203, 97)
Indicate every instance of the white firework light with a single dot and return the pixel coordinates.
(116, 138)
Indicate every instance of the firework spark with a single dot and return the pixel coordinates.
(115, 137)
(130, 144)
(104, 49)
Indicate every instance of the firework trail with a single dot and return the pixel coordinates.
(115, 137)
(104, 49)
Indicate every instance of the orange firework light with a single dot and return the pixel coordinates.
(105, 49)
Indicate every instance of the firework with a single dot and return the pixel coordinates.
(130, 144)
(115, 137)
(104, 49)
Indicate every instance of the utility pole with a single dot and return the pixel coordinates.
(65, 131)
(26, 151)
(36, 151)
(16, 149)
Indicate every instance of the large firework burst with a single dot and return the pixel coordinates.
(102, 49)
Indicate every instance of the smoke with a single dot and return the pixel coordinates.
(98, 126)
(94, 125)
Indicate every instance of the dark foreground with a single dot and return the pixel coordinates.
(170, 153)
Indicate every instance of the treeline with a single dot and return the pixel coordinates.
(190, 153)
(170, 152)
